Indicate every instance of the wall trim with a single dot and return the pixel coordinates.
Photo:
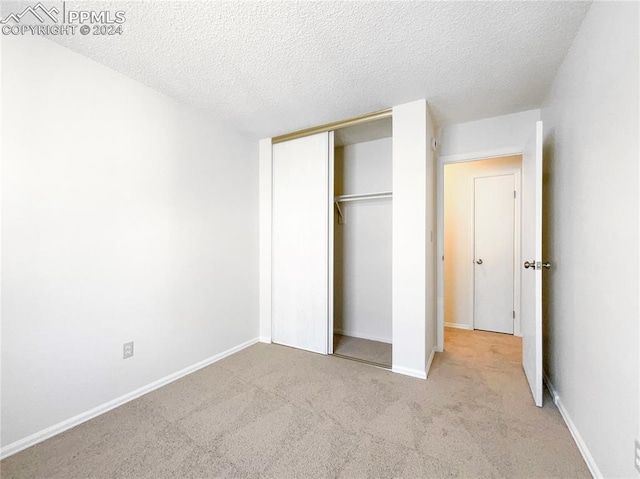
(62, 426)
(264, 339)
(430, 360)
(482, 154)
(362, 336)
(457, 326)
(582, 446)
(414, 373)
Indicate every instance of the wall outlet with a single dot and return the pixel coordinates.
(127, 350)
(637, 458)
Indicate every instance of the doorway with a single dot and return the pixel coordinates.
(481, 244)
(528, 299)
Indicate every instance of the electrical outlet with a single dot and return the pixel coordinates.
(127, 350)
(637, 459)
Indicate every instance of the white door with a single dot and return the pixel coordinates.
(494, 221)
(531, 302)
(300, 243)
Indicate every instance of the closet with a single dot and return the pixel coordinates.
(346, 239)
(332, 228)
(362, 226)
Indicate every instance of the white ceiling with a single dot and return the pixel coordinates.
(270, 68)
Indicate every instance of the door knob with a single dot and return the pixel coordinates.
(531, 264)
(479, 261)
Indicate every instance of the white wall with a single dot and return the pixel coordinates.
(412, 217)
(265, 218)
(126, 217)
(458, 234)
(591, 239)
(499, 135)
(487, 138)
(362, 274)
(364, 167)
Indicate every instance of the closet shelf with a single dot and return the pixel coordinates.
(363, 196)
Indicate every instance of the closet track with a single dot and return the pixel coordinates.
(376, 115)
(364, 361)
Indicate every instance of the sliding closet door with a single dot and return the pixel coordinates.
(300, 228)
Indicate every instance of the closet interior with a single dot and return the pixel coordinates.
(362, 242)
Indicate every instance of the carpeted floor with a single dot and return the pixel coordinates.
(273, 411)
(364, 349)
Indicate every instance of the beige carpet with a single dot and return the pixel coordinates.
(362, 349)
(273, 411)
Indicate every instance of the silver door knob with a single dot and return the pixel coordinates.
(531, 264)
(546, 265)
(479, 261)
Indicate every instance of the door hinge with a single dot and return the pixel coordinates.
(514, 194)
(514, 315)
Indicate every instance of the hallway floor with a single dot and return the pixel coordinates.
(274, 411)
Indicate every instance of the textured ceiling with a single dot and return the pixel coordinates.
(269, 68)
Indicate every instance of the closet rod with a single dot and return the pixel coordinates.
(376, 115)
(364, 196)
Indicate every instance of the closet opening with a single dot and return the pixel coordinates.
(482, 230)
(362, 233)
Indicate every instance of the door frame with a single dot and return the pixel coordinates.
(443, 160)
(517, 174)
(330, 258)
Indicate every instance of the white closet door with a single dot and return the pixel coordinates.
(300, 282)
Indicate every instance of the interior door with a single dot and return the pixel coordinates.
(531, 302)
(494, 221)
(300, 243)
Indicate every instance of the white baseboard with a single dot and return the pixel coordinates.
(582, 446)
(264, 339)
(362, 336)
(56, 429)
(414, 373)
(430, 360)
(457, 326)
